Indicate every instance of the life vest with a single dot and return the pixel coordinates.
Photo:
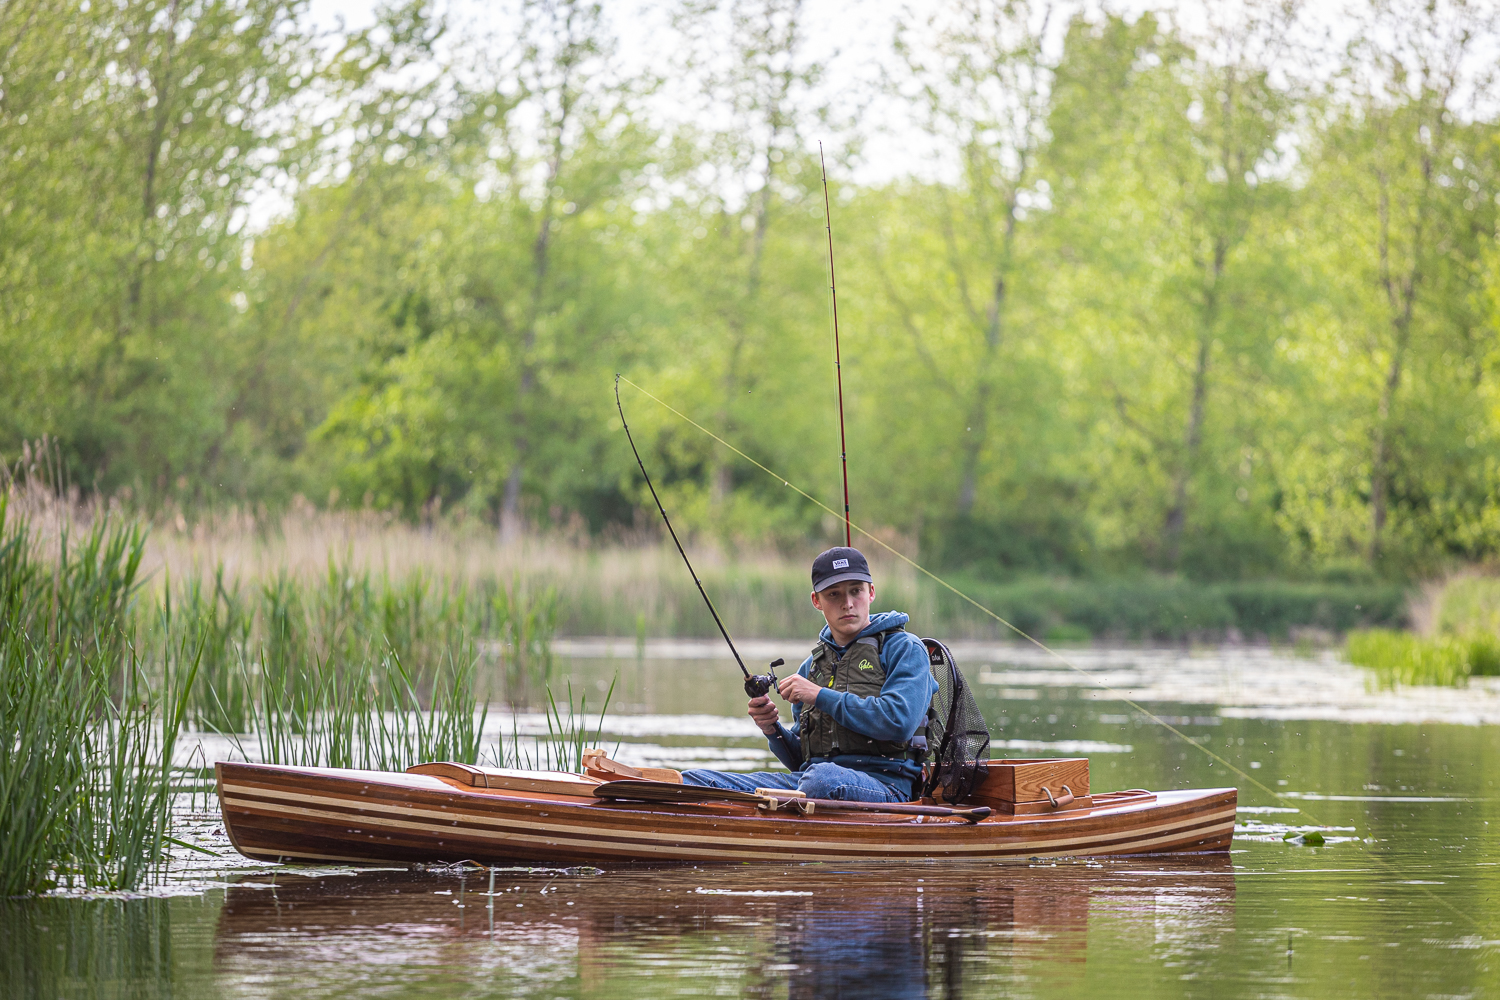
(953, 732)
(858, 672)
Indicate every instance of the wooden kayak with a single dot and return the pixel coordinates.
(278, 813)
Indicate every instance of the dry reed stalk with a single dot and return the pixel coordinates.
(304, 542)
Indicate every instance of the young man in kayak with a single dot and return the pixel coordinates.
(857, 701)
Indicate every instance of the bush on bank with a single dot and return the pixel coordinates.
(1464, 617)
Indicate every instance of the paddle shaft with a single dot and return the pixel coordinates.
(839, 805)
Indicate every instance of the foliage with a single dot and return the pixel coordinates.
(371, 714)
(567, 737)
(1155, 302)
(1468, 604)
(1462, 622)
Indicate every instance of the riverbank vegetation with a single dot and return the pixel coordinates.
(1459, 637)
(345, 587)
(1219, 305)
(86, 732)
(105, 661)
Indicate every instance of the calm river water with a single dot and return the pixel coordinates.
(1400, 902)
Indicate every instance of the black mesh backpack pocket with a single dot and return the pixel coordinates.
(957, 736)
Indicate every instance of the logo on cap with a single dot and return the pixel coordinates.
(841, 564)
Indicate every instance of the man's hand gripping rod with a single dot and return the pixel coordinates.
(756, 685)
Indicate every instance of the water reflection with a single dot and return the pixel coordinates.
(94, 948)
(756, 930)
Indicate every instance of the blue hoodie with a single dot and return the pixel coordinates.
(894, 714)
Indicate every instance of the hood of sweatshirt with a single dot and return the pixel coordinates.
(878, 623)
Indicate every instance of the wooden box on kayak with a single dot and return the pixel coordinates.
(1027, 786)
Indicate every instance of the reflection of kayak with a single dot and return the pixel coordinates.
(274, 812)
(760, 929)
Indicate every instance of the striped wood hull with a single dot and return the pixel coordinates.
(334, 814)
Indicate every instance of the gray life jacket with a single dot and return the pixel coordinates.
(858, 672)
(953, 732)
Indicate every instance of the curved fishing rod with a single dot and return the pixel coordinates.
(755, 684)
(838, 368)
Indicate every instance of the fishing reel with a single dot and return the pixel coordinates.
(758, 684)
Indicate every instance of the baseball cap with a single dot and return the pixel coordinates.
(837, 565)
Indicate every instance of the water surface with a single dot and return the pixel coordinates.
(1400, 902)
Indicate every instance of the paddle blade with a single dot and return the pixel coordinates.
(636, 790)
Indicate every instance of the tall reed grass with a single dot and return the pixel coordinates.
(567, 737)
(516, 596)
(102, 666)
(371, 713)
(86, 735)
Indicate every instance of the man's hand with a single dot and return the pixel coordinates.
(765, 715)
(799, 690)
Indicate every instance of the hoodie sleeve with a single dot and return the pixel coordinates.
(899, 709)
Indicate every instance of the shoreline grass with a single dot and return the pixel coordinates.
(1461, 621)
(100, 673)
(333, 567)
(86, 733)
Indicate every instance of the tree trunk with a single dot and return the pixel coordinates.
(720, 475)
(976, 427)
(512, 521)
(1380, 452)
(1176, 519)
(1401, 299)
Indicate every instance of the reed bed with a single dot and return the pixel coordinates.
(86, 732)
(1459, 638)
(561, 749)
(637, 587)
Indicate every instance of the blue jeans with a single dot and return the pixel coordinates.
(820, 781)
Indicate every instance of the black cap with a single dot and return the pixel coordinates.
(837, 565)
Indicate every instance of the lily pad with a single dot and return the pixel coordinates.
(1311, 838)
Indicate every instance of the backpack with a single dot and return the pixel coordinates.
(957, 736)
(954, 744)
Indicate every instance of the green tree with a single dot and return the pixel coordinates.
(487, 332)
(1171, 198)
(1401, 195)
(740, 257)
(978, 82)
(134, 137)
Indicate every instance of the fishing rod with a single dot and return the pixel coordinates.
(756, 685)
(838, 368)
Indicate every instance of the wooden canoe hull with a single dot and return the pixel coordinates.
(333, 814)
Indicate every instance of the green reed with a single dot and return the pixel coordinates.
(376, 713)
(567, 737)
(1404, 658)
(292, 637)
(1462, 618)
(86, 737)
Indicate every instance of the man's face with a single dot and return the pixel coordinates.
(846, 607)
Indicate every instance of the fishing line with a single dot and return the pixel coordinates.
(965, 597)
(1279, 796)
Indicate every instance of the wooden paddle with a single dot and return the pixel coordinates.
(654, 791)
